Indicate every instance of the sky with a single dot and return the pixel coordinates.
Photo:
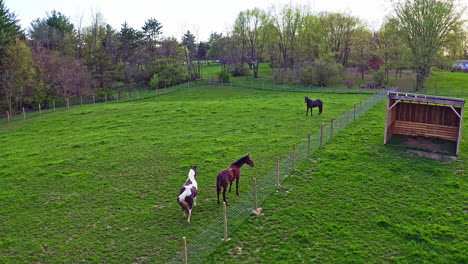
(201, 17)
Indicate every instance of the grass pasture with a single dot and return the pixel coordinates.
(98, 183)
(359, 201)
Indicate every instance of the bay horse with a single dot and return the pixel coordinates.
(188, 194)
(228, 175)
(313, 103)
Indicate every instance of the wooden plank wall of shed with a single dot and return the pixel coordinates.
(428, 114)
(390, 124)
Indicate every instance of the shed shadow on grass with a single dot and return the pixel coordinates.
(428, 144)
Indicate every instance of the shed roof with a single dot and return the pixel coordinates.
(426, 98)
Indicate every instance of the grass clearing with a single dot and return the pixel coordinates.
(359, 201)
(98, 183)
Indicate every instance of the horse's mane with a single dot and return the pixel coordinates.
(241, 161)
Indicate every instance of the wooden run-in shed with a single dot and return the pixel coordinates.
(424, 116)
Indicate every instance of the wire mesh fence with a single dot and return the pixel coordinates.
(115, 96)
(199, 247)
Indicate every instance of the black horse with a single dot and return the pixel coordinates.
(313, 103)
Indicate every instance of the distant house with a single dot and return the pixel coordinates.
(461, 65)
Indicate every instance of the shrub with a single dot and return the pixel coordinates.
(379, 77)
(154, 82)
(325, 71)
(223, 75)
(169, 71)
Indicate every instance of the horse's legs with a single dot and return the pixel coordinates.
(189, 214)
(237, 186)
(224, 195)
(307, 111)
(230, 186)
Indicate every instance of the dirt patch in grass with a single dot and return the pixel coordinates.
(424, 143)
(433, 155)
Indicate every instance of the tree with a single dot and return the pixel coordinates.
(9, 28)
(18, 76)
(99, 62)
(152, 31)
(287, 25)
(425, 26)
(254, 28)
(130, 41)
(361, 49)
(54, 32)
(339, 30)
(188, 40)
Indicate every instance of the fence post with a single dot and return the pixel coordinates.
(331, 129)
(105, 97)
(308, 146)
(8, 116)
(347, 118)
(68, 103)
(294, 158)
(225, 222)
(185, 250)
(40, 112)
(277, 172)
(321, 134)
(24, 114)
(255, 194)
(360, 108)
(54, 106)
(354, 118)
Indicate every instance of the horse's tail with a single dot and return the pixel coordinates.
(218, 185)
(183, 203)
(320, 106)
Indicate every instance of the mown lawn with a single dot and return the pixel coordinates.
(98, 183)
(359, 201)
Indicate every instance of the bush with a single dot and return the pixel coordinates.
(154, 82)
(170, 72)
(223, 75)
(324, 72)
(379, 77)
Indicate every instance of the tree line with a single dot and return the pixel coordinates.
(56, 58)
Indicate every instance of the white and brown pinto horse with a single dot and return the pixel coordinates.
(188, 194)
(227, 176)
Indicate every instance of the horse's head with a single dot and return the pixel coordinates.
(305, 99)
(249, 161)
(194, 168)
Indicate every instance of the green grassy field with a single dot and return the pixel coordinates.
(359, 201)
(98, 183)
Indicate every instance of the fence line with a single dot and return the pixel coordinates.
(202, 245)
(132, 95)
(66, 103)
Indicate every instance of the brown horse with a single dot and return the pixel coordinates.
(227, 176)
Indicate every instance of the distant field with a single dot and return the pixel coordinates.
(439, 82)
(98, 183)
